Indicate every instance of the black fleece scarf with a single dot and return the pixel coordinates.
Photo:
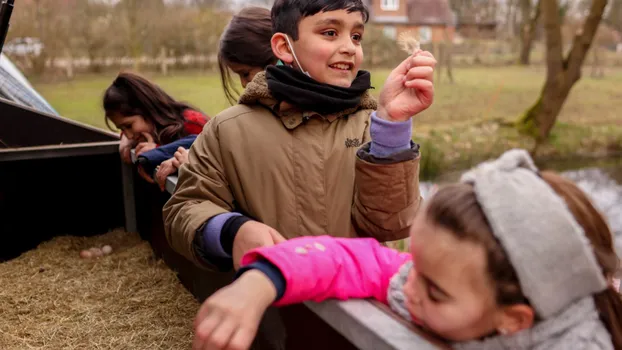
(291, 85)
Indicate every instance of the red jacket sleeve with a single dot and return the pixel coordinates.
(195, 121)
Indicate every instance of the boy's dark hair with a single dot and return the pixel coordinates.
(286, 14)
(246, 40)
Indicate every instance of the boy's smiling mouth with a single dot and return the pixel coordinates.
(343, 66)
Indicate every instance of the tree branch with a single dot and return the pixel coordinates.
(583, 41)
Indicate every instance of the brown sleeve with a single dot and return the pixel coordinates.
(202, 192)
(387, 194)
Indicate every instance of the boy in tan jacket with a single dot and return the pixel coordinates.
(307, 151)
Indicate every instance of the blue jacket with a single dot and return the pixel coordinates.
(151, 159)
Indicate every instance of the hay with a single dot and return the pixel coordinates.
(50, 298)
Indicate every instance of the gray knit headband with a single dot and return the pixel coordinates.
(546, 246)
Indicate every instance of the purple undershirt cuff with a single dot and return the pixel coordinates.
(211, 235)
(389, 138)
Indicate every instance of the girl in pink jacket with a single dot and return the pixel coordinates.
(502, 260)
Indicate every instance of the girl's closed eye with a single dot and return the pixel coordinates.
(435, 293)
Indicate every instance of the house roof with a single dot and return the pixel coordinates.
(430, 12)
(419, 12)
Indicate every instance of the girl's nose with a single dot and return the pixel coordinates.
(411, 289)
(129, 134)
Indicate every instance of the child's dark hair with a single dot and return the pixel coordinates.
(455, 208)
(246, 40)
(286, 14)
(131, 94)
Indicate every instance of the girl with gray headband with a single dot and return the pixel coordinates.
(509, 258)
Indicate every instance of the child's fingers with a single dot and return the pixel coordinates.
(425, 54)
(420, 61)
(420, 73)
(147, 136)
(222, 334)
(176, 163)
(204, 330)
(423, 86)
(242, 339)
(142, 147)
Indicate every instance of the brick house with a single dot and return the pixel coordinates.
(432, 20)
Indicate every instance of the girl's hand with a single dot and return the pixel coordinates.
(125, 146)
(147, 145)
(144, 175)
(165, 169)
(230, 317)
(181, 157)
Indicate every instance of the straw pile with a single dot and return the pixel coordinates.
(50, 298)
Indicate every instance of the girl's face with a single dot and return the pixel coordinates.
(448, 291)
(133, 127)
(246, 72)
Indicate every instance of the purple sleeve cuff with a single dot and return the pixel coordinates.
(211, 235)
(389, 138)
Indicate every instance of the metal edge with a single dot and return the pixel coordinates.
(62, 119)
(367, 326)
(58, 151)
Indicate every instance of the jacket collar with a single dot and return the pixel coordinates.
(257, 92)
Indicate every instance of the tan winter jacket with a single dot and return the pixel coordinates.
(297, 172)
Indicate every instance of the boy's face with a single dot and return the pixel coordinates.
(329, 46)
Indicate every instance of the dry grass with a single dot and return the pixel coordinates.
(52, 299)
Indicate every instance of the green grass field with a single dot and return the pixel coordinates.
(465, 124)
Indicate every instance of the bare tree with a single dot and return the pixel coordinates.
(530, 14)
(562, 72)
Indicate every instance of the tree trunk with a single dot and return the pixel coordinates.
(528, 30)
(447, 54)
(598, 71)
(562, 74)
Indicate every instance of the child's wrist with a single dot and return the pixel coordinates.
(258, 281)
(383, 113)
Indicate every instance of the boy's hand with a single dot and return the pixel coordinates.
(251, 235)
(409, 89)
(230, 317)
(165, 169)
(181, 157)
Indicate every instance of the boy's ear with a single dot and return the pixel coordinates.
(281, 48)
(516, 318)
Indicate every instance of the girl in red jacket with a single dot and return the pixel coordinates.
(147, 116)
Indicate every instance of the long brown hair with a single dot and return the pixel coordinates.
(246, 41)
(455, 208)
(131, 94)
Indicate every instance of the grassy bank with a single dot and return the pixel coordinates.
(465, 124)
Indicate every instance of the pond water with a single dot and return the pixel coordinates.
(600, 179)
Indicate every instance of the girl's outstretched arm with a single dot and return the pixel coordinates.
(307, 268)
(320, 268)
